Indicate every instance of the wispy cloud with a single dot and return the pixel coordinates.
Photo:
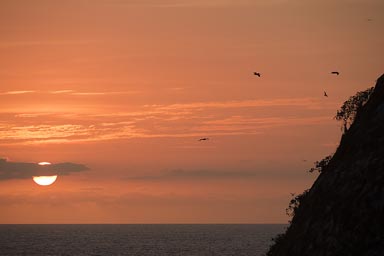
(200, 174)
(197, 119)
(25, 170)
(203, 3)
(102, 93)
(296, 102)
(213, 175)
(61, 91)
(16, 92)
(190, 3)
(26, 43)
(241, 122)
(41, 131)
(71, 92)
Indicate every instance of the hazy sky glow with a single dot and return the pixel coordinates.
(125, 88)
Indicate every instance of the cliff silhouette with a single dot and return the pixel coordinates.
(343, 212)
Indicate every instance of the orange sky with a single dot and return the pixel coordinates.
(127, 88)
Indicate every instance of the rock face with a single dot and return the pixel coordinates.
(343, 212)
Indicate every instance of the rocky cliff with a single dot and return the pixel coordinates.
(343, 212)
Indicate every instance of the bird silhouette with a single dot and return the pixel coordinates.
(257, 74)
(335, 73)
(201, 139)
(325, 94)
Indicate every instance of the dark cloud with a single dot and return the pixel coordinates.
(200, 174)
(20, 170)
(180, 174)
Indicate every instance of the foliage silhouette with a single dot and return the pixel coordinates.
(320, 165)
(295, 203)
(348, 110)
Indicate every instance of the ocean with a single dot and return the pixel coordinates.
(140, 239)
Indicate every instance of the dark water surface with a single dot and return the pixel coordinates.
(157, 240)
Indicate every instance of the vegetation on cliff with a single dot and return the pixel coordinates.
(347, 112)
(341, 214)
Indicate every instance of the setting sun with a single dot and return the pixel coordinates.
(44, 163)
(44, 180)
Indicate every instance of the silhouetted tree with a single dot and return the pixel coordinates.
(320, 165)
(295, 203)
(348, 110)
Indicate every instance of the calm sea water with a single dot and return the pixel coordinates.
(157, 240)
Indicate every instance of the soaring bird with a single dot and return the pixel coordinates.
(335, 73)
(325, 94)
(201, 139)
(257, 74)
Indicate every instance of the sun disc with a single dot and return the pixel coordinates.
(44, 163)
(44, 180)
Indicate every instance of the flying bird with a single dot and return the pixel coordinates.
(325, 94)
(257, 74)
(335, 73)
(201, 139)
